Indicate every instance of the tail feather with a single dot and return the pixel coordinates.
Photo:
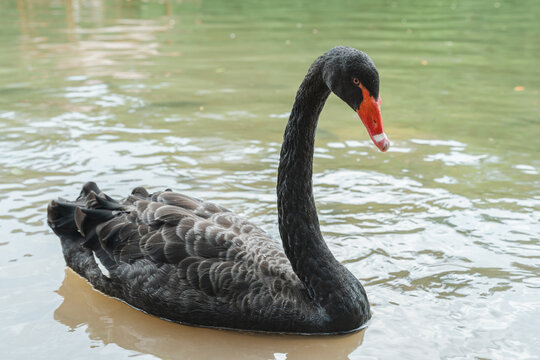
(88, 188)
(60, 217)
(78, 221)
(87, 219)
(102, 201)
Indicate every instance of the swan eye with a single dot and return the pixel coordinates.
(356, 81)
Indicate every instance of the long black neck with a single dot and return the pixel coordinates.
(299, 227)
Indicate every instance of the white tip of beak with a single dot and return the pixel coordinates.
(381, 141)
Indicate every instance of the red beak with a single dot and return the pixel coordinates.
(370, 114)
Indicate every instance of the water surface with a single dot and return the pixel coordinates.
(443, 229)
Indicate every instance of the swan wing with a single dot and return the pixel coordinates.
(211, 248)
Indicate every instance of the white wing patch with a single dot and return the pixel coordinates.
(102, 267)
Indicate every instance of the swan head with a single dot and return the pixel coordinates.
(353, 77)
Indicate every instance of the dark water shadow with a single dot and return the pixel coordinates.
(111, 321)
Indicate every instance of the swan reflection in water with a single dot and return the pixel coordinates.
(111, 321)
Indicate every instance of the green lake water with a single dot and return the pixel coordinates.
(443, 229)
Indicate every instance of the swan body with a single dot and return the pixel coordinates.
(195, 262)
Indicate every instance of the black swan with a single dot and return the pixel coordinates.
(197, 263)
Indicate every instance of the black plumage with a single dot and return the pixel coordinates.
(196, 262)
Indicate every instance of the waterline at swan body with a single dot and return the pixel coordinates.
(195, 262)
